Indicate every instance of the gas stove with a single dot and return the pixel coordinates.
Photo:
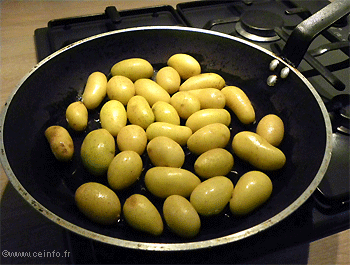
(267, 23)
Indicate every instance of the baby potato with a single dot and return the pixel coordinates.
(124, 170)
(97, 151)
(169, 79)
(205, 80)
(77, 116)
(139, 112)
(252, 190)
(113, 116)
(95, 90)
(132, 138)
(120, 88)
(185, 65)
(258, 152)
(210, 98)
(205, 117)
(98, 203)
(151, 91)
(239, 103)
(164, 112)
(178, 133)
(185, 104)
(212, 195)
(164, 151)
(181, 217)
(133, 68)
(211, 136)
(61, 143)
(215, 162)
(165, 181)
(271, 128)
(140, 213)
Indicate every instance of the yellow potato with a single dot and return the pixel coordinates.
(124, 170)
(140, 213)
(181, 217)
(61, 143)
(164, 151)
(205, 80)
(151, 91)
(133, 68)
(95, 90)
(185, 104)
(271, 128)
(169, 79)
(77, 116)
(120, 88)
(165, 181)
(185, 65)
(178, 133)
(97, 151)
(239, 103)
(215, 162)
(132, 138)
(98, 203)
(205, 117)
(113, 116)
(254, 149)
(210, 98)
(212, 195)
(164, 112)
(252, 190)
(211, 136)
(139, 112)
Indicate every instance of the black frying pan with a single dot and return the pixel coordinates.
(44, 94)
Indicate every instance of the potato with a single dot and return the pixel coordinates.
(210, 98)
(169, 79)
(211, 136)
(254, 149)
(113, 116)
(124, 170)
(120, 88)
(139, 112)
(140, 213)
(212, 195)
(97, 151)
(165, 181)
(133, 68)
(61, 143)
(252, 190)
(205, 117)
(178, 133)
(151, 91)
(239, 103)
(215, 162)
(95, 90)
(205, 80)
(164, 151)
(98, 203)
(181, 217)
(271, 128)
(164, 112)
(77, 116)
(185, 104)
(185, 65)
(132, 138)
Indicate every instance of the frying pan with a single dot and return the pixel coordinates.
(41, 98)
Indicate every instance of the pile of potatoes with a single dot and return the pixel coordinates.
(160, 113)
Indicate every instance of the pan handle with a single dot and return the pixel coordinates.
(302, 36)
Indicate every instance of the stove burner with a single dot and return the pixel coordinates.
(258, 25)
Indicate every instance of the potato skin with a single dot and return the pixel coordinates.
(61, 143)
(77, 116)
(113, 116)
(210, 98)
(151, 91)
(205, 117)
(164, 112)
(132, 138)
(185, 104)
(133, 68)
(185, 65)
(271, 128)
(120, 88)
(139, 112)
(204, 80)
(95, 90)
(178, 133)
(169, 79)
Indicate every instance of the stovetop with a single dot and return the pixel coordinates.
(326, 66)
